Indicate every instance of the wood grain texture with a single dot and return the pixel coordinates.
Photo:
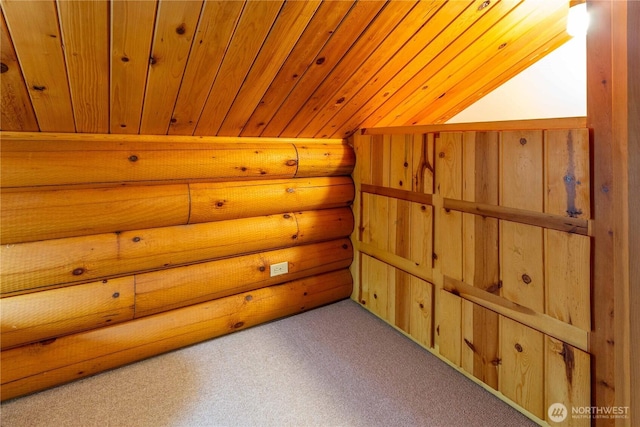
(85, 33)
(324, 23)
(173, 36)
(16, 112)
(522, 362)
(35, 367)
(132, 24)
(160, 291)
(252, 30)
(36, 37)
(449, 328)
(283, 36)
(45, 315)
(217, 24)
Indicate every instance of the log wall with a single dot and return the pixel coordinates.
(147, 244)
(477, 245)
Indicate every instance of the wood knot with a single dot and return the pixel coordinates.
(345, 246)
(116, 294)
(340, 100)
(286, 216)
(248, 298)
(292, 162)
(441, 155)
(290, 190)
(219, 204)
(502, 46)
(133, 158)
(238, 325)
(136, 239)
(320, 61)
(39, 88)
(152, 60)
(375, 296)
(523, 141)
(363, 302)
(78, 271)
(406, 164)
(423, 207)
(262, 268)
(526, 279)
(181, 29)
(484, 5)
(124, 59)
(3, 67)
(518, 348)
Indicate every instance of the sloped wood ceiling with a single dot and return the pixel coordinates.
(261, 68)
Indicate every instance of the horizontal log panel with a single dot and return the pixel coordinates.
(33, 265)
(324, 224)
(324, 159)
(40, 215)
(58, 167)
(38, 366)
(165, 290)
(42, 315)
(231, 200)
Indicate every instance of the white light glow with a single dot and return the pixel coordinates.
(578, 20)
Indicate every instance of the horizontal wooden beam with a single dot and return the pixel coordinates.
(396, 261)
(38, 366)
(411, 196)
(539, 219)
(538, 321)
(538, 124)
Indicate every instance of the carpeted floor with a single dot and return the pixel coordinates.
(334, 366)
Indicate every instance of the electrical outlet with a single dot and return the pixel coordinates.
(279, 268)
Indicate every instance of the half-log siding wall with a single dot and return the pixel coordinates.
(115, 249)
(476, 245)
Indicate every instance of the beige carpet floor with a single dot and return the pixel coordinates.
(334, 366)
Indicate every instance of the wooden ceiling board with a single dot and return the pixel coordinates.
(270, 68)
(516, 54)
(15, 105)
(132, 24)
(36, 38)
(324, 24)
(377, 32)
(338, 45)
(253, 28)
(445, 28)
(175, 26)
(215, 29)
(292, 20)
(85, 35)
(490, 47)
(455, 38)
(393, 42)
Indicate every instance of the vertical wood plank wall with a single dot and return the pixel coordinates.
(116, 248)
(476, 245)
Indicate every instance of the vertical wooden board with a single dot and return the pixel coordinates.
(16, 112)
(213, 35)
(292, 20)
(325, 22)
(486, 343)
(521, 264)
(131, 33)
(421, 236)
(568, 278)
(567, 175)
(449, 185)
(467, 347)
(521, 170)
(521, 373)
(378, 288)
(567, 380)
(251, 32)
(365, 268)
(421, 312)
(449, 328)
(423, 163)
(377, 232)
(401, 159)
(362, 147)
(175, 27)
(403, 300)
(85, 33)
(34, 30)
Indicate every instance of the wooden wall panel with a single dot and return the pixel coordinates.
(132, 24)
(36, 37)
(85, 34)
(16, 112)
(173, 36)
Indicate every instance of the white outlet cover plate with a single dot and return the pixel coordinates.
(279, 268)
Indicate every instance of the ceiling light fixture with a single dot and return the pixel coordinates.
(578, 18)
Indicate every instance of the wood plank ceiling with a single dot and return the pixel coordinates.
(261, 68)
